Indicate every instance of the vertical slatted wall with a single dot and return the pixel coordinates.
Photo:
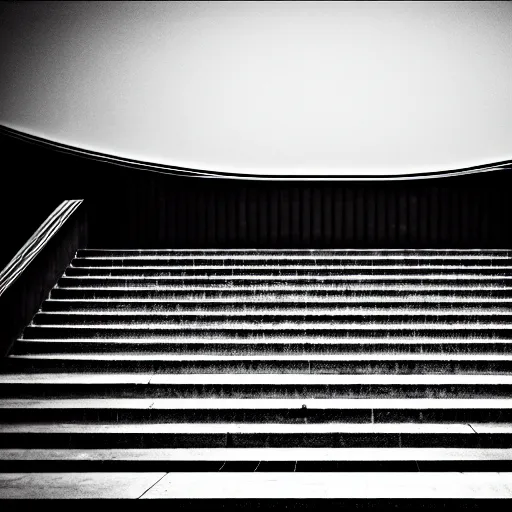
(162, 211)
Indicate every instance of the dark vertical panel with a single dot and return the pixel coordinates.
(338, 217)
(455, 216)
(497, 223)
(434, 217)
(232, 217)
(284, 217)
(371, 211)
(327, 216)
(151, 216)
(171, 211)
(263, 216)
(349, 215)
(423, 217)
(242, 217)
(211, 205)
(316, 216)
(182, 224)
(295, 217)
(445, 220)
(274, 216)
(252, 217)
(392, 225)
(381, 218)
(192, 218)
(403, 221)
(359, 217)
(306, 216)
(465, 206)
(219, 195)
(200, 200)
(476, 212)
(484, 217)
(413, 216)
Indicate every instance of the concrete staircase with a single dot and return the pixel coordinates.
(315, 369)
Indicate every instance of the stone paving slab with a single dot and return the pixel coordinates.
(75, 485)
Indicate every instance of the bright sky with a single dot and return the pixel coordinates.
(265, 87)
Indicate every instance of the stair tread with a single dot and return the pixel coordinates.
(335, 485)
(304, 340)
(264, 454)
(280, 312)
(299, 277)
(244, 428)
(237, 326)
(257, 358)
(310, 256)
(300, 299)
(286, 288)
(255, 249)
(257, 485)
(257, 403)
(254, 379)
(287, 267)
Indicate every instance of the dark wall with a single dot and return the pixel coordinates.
(136, 208)
(153, 211)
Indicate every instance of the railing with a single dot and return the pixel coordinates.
(28, 278)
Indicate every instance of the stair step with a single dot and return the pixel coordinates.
(311, 271)
(248, 251)
(277, 380)
(320, 294)
(272, 317)
(140, 385)
(340, 281)
(260, 459)
(249, 404)
(260, 346)
(254, 435)
(274, 330)
(264, 454)
(188, 490)
(296, 258)
(457, 305)
(214, 410)
(297, 364)
(371, 289)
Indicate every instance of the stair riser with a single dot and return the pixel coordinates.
(272, 347)
(489, 272)
(256, 416)
(257, 440)
(66, 332)
(299, 391)
(292, 282)
(487, 253)
(248, 367)
(61, 466)
(179, 318)
(113, 306)
(292, 260)
(367, 296)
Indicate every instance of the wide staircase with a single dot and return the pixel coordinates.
(269, 374)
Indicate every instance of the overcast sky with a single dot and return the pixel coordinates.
(265, 87)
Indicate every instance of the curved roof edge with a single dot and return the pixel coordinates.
(204, 173)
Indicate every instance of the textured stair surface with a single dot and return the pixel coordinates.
(265, 375)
